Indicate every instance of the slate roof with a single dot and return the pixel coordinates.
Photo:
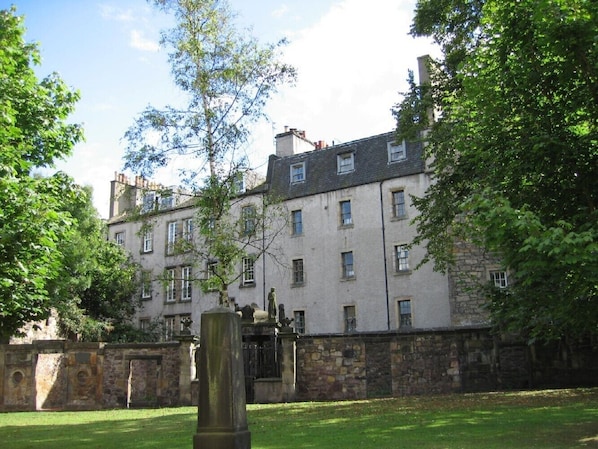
(370, 165)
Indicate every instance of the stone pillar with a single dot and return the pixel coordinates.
(222, 414)
(187, 367)
(288, 370)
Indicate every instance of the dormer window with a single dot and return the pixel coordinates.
(345, 163)
(166, 202)
(240, 183)
(149, 200)
(298, 172)
(397, 153)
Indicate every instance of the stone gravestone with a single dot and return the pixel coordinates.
(222, 414)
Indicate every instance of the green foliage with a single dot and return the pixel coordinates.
(515, 153)
(53, 248)
(227, 77)
(33, 133)
(102, 277)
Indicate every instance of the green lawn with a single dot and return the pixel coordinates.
(541, 419)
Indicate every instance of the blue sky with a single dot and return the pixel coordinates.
(352, 58)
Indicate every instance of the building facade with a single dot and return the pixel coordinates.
(340, 262)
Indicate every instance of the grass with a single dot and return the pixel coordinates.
(539, 419)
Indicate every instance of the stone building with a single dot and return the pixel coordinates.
(340, 263)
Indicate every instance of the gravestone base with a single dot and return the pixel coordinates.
(222, 440)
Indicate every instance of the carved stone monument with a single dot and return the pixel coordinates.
(222, 414)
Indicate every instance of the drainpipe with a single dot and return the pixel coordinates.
(263, 257)
(385, 259)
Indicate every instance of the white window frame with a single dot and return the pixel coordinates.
(144, 324)
(188, 229)
(169, 327)
(297, 225)
(170, 295)
(119, 238)
(297, 172)
(248, 275)
(186, 283)
(346, 217)
(345, 163)
(166, 202)
(350, 318)
(399, 206)
(299, 319)
(240, 182)
(348, 265)
(148, 241)
(499, 278)
(402, 258)
(148, 202)
(172, 237)
(146, 284)
(248, 214)
(298, 268)
(404, 322)
(397, 153)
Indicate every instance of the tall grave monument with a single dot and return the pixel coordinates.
(222, 414)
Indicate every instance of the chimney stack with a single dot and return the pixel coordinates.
(292, 141)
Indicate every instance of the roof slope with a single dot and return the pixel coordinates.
(370, 156)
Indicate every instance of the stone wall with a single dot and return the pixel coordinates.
(471, 270)
(52, 375)
(57, 374)
(334, 367)
(141, 375)
(378, 365)
(330, 368)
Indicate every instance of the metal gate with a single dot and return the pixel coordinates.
(261, 359)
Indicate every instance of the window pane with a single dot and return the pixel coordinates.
(248, 213)
(350, 319)
(345, 163)
(402, 255)
(405, 313)
(297, 222)
(346, 218)
(171, 237)
(248, 270)
(499, 279)
(347, 261)
(398, 201)
(298, 271)
(297, 173)
(186, 283)
(299, 317)
(170, 285)
(396, 152)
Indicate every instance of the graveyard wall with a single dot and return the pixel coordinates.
(61, 375)
(334, 367)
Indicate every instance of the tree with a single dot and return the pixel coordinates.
(227, 78)
(54, 254)
(33, 133)
(99, 277)
(515, 153)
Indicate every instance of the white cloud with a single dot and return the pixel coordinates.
(113, 13)
(139, 42)
(281, 11)
(351, 64)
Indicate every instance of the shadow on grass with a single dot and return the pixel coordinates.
(123, 430)
(559, 419)
(563, 419)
